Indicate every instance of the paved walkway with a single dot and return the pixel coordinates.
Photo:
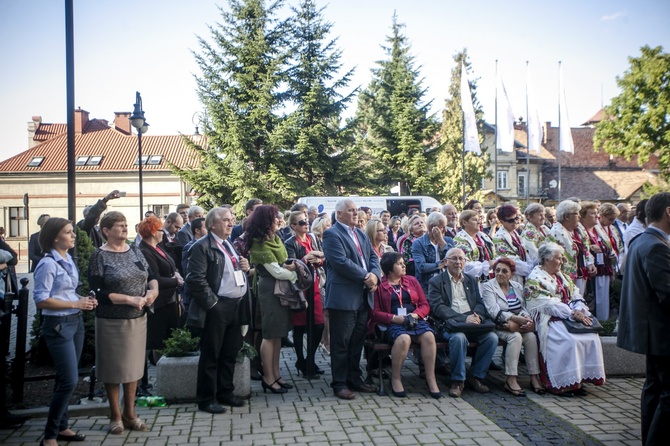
(311, 415)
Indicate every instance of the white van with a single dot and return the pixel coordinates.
(392, 203)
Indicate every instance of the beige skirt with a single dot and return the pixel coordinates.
(120, 346)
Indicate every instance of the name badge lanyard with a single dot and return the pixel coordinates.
(358, 248)
(402, 311)
(226, 252)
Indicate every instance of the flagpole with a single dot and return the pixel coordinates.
(495, 156)
(527, 144)
(463, 125)
(559, 131)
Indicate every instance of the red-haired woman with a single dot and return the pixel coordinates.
(269, 255)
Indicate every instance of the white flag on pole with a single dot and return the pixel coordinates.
(565, 133)
(505, 119)
(535, 131)
(470, 136)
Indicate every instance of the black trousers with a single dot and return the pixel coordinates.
(347, 336)
(220, 341)
(656, 401)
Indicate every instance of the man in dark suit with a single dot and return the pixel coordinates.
(454, 295)
(35, 253)
(185, 234)
(216, 281)
(644, 318)
(353, 275)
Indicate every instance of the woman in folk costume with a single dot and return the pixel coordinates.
(605, 251)
(566, 359)
(534, 232)
(476, 245)
(507, 242)
(566, 232)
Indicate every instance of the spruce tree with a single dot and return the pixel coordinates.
(239, 87)
(318, 144)
(450, 155)
(394, 126)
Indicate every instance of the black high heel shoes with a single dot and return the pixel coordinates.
(272, 389)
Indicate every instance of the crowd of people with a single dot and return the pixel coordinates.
(522, 278)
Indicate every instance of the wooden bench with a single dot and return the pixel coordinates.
(378, 346)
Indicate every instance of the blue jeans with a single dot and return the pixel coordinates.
(458, 346)
(64, 336)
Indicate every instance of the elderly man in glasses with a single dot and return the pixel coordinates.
(455, 295)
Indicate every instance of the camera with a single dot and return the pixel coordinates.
(409, 323)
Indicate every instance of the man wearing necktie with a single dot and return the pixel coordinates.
(353, 275)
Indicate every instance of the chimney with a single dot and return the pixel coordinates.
(80, 120)
(122, 122)
(32, 128)
(547, 126)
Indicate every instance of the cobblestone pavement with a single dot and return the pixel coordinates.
(311, 415)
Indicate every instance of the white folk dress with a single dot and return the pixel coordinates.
(566, 359)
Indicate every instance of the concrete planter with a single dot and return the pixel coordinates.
(176, 379)
(242, 379)
(619, 361)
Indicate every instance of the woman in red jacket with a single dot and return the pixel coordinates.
(401, 308)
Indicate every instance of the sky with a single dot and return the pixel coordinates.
(147, 46)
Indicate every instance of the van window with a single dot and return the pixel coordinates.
(399, 205)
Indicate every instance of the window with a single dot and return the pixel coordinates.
(36, 161)
(155, 159)
(94, 160)
(81, 161)
(18, 225)
(502, 180)
(145, 158)
(161, 210)
(521, 185)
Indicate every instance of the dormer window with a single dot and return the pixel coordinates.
(145, 158)
(155, 159)
(36, 161)
(94, 160)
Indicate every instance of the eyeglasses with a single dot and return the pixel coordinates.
(302, 223)
(502, 271)
(513, 220)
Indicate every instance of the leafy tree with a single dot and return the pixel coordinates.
(393, 122)
(450, 155)
(239, 86)
(637, 122)
(318, 146)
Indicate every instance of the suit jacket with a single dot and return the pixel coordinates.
(425, 262)
(185, 234)
(344, 288)
(440, 297)
(644, 315)
(35, 253)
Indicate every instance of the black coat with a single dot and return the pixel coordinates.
(163, 270)
(440, 297)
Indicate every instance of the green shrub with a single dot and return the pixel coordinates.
(180, 343)
(247, 351)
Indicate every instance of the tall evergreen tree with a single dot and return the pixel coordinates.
(450, 155)
(313, 134)
(394, 126)
(241, 73)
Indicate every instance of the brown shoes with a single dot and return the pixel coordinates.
(345, 394)
(364, 388)
(477, 385)
(456, 389)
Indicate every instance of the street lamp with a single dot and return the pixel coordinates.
(137, 120)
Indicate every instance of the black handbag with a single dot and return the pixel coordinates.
(580, 328)
(468, 328)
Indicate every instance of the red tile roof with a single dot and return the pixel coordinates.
(47, 131)
(118, 150)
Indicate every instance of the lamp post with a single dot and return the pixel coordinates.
(137, 120)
